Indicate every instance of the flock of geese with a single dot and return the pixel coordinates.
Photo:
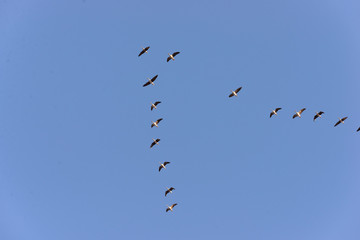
(156, 123)
(232, 94)
(297, 114)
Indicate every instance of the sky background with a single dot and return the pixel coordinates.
(75, 161)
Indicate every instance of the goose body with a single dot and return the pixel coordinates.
(234, 93)
(172, 56)
(298, 114)
(318, 114)
(155, 142)
(341, 120)
(169, 190)
(163, 165)
(274, 112)
(144, 50)
(151, 81)
(156, 123)
(153, 105)
(170, 208)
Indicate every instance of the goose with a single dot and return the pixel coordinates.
(151, 81)
(155, 142)
(171, 207)
(298, 114)
(341, 120)
(156, 123)
(144, 50)
(234, 93)
(274, 112)
(171, 56)
(162, 165)
(153, 105)
(318, 114)
(169, 190)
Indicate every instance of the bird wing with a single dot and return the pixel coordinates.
(159, 120)
(168, 59)
(175, 53)
(272, 113)
(156, 103)
(167, 209)
(167, 191)
(337, 123)
(141, 53)
(237, 90)
(277, 109)
(158, 140)
(160, 168)
(166, 163)
(152, 144)
(147, 83)
(231, 95)
(147, 48)
(154, 78)
(343, 119)
(316, 116)
(172, 189)
(152, 125)
(295, 115)
(152, 107)
(321, 112)
(174, 205)
(358, 129)
(302, 110)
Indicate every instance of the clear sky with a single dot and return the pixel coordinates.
(75, 161)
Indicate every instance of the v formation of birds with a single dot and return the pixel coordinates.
(151, 81)
(232, 94)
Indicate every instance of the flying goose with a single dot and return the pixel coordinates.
(171, 56)
(144, 51)
(341, 120)
(151, 81)
(169, 190)
(274, 112)
(156, 123)
(234, 93)
(162, 165)
(171, 207)
(155, 142)
(318, 114)
(298, 114)
(153, 105)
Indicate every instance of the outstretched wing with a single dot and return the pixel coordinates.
(295, 115)
(147, 83)
(316, 116)
(160, 168)
(358, 129)
(174, 205)
(159, 120)
(277, 109)
(156, 103)
(302, 110)
(337, 123)
(152, 144)
(272, 113)
(141, 53)
(321, 112)
(343, 119)
(237, 90)
(166, 163)
(168, 59)
(154, 78)
(175, 53)
(231, 95)
(167, 209)
(167, 191)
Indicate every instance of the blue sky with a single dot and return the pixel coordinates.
(75, 120)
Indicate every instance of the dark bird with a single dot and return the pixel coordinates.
(234, 93)
(298, 114)
(171, 207)
(341, 120)
(155, 142)
(144, 51)
(156, 123)
(151, 81)
(162, 165)
(153, 105)
(171, 56)
(318, 114)
(274, 112)
(169, 190)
